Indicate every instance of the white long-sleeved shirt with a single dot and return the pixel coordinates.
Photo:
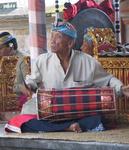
(83, 70)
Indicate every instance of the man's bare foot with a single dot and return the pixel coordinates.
(74, 128)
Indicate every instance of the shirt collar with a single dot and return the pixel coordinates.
(58, 60)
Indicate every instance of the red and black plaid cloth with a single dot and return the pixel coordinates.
(74, 103)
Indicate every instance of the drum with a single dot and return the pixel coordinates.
(74, 103)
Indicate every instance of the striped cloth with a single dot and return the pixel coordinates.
(37, 27)
(74, 103)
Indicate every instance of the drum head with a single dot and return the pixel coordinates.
(91, 17)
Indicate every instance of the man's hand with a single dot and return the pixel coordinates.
(125, 90)
(26, 91)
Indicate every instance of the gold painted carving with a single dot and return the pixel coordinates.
(114, 62)
(119, 67)
(102, 36)
(8, 99)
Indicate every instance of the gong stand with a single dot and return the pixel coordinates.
(116, 4)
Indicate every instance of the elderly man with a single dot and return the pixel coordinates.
(61, 68)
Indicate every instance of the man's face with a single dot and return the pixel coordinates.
(59, 42)
(5, 50)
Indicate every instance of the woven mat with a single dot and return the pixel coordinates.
(119, 135)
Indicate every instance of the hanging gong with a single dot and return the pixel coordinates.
(91, 17)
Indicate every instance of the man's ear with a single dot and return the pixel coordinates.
(71, 43)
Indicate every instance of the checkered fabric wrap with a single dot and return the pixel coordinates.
(37, 27)
(74, 103)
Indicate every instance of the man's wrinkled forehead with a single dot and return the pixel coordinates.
(65, 28)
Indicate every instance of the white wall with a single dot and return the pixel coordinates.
(6, 1)
(24, 3)
(20, 3)
(61, 2)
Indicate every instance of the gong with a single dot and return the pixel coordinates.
(91, 17)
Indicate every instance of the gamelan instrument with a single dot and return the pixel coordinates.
(74, 103)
